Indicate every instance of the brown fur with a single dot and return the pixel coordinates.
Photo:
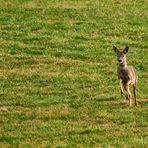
(126, 74)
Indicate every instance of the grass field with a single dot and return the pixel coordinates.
(58, 83)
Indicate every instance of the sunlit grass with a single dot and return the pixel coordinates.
(58, 83)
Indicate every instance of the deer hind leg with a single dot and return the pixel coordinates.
(134, 91)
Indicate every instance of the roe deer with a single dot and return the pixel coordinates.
(126, 74)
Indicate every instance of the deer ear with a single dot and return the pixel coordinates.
(125, 50)
(115, 49)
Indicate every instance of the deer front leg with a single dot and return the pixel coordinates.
(121, 87)
(128, 93)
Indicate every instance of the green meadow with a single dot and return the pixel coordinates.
(58, 79)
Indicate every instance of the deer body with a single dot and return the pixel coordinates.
(126, 74)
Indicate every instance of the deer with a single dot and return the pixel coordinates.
(127, 75)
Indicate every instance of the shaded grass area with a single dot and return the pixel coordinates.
(58, 83)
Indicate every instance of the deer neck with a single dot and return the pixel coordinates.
(123, 65)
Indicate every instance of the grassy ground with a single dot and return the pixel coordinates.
(58, 83)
